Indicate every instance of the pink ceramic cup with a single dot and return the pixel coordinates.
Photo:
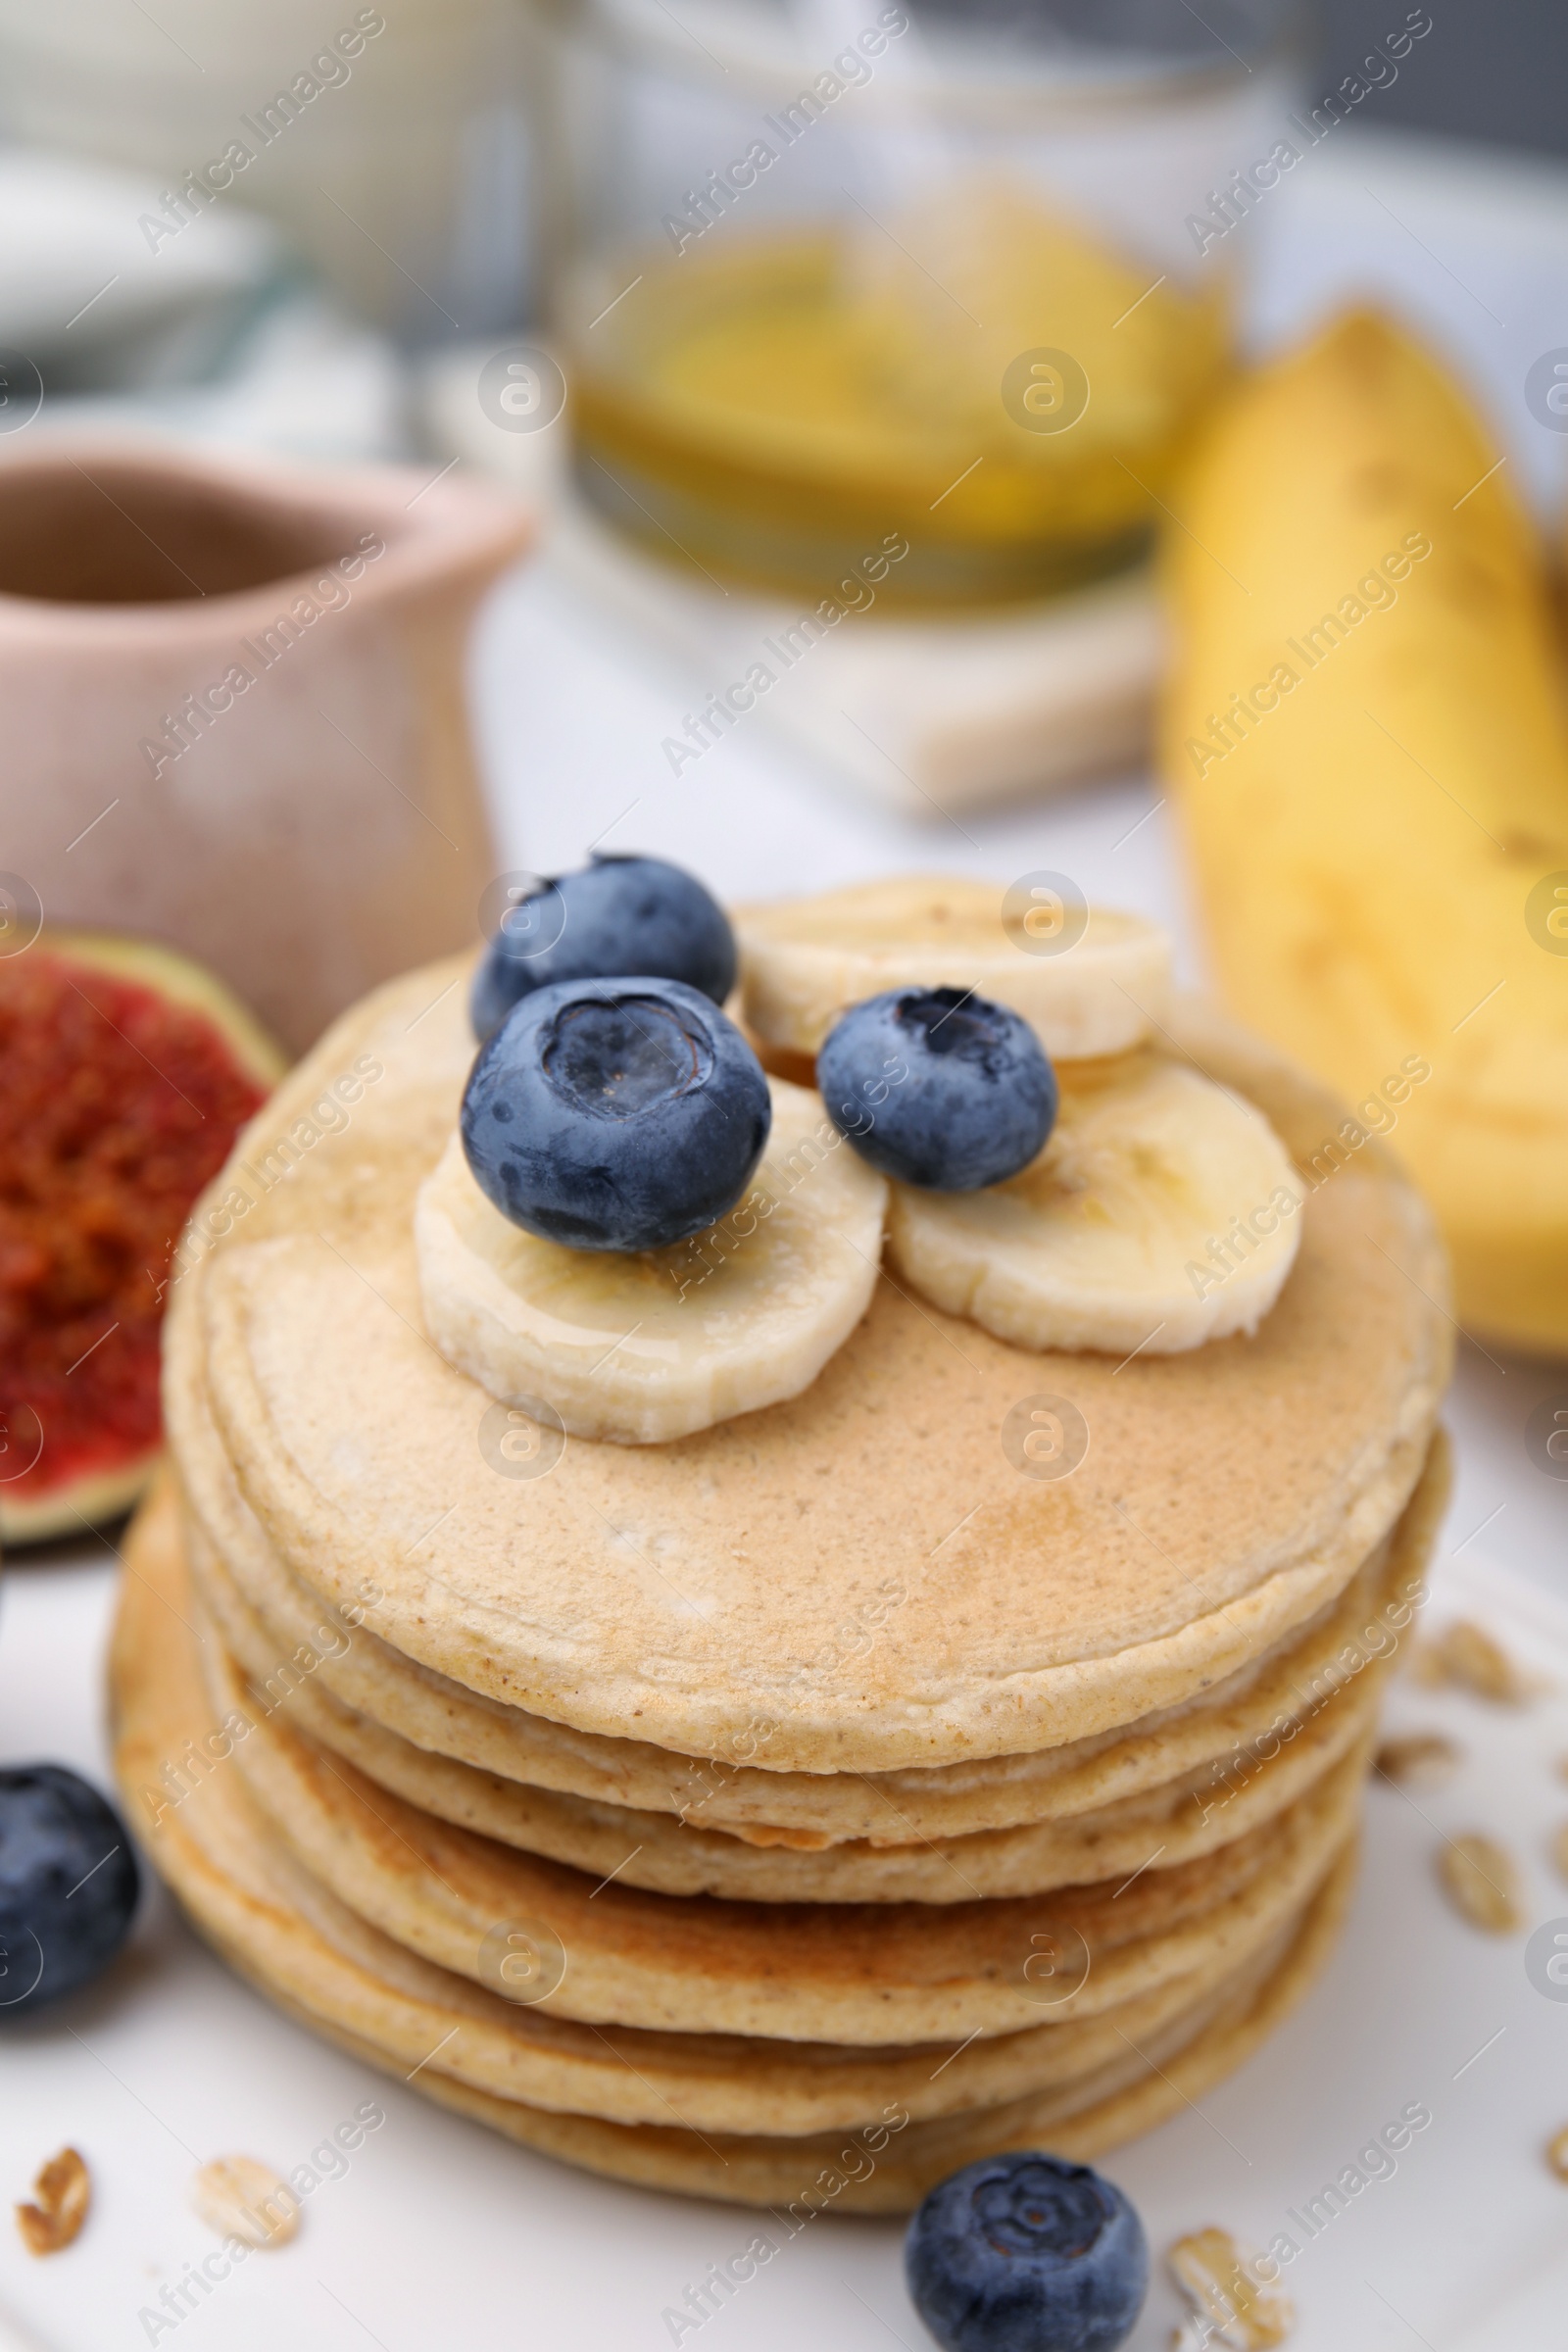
(234, 711)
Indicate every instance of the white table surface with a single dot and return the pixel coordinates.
(441, 2236)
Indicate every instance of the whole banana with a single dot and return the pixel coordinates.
(1365, 732)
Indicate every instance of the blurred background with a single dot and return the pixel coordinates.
(732, 291)
(845, 359)
(1498, 75)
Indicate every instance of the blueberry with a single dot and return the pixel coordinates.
(617, 918)
(1027, 2254)
(615, 1115)
(938, 1087)
(67, 1884)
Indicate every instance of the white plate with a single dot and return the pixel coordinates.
(439, 2235)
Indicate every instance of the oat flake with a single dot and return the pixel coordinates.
(1465, 1654)
(1481, 1881)
(239, 2197)
(1418, 1760)
(63, 2191)
(1230, 2305)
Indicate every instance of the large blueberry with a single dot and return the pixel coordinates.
(1027, 2254)
(616, 1114)
(67, 1884)
(938, 1087)
(615, 918)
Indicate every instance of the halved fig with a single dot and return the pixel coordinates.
(126, 1073)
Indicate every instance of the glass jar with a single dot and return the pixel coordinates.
(833, 275)
(391, 144)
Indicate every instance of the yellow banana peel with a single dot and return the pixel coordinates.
(1366, 734)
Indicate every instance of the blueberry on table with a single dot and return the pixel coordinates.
(1027, 2254)
(67, 1884)
(617, 918)
(938, 1087)
(616, 1114)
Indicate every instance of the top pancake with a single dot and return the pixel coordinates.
(858, 1580)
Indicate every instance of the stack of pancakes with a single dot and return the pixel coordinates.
(797, 1811)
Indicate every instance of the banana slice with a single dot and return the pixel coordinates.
(1161, 1213)
(1090, 981)
(646, 1347)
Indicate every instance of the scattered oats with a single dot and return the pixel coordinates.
(1557, 2153)
(1427, 1666)
(1419, 1760)
(1481, 1881)
(1466, 1654)
(1231, 2305)
(240, 2198)
(63, 2190)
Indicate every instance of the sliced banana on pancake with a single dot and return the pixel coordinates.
(648, 1346)
(1161, 1213)
(1089, 980)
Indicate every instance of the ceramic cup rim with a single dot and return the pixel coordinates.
(431, 525)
